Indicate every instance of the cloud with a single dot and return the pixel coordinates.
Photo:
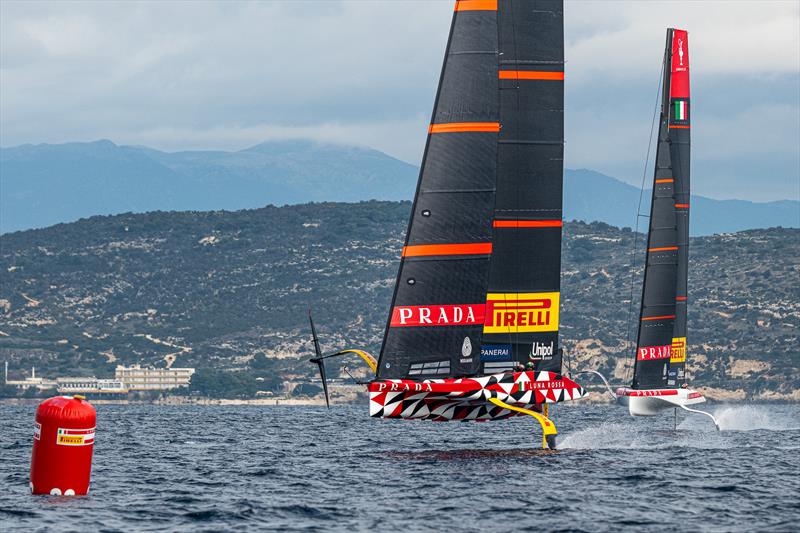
(382, 135)
(179, 75)
(623, 38)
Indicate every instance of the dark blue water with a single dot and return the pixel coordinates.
(199, 468)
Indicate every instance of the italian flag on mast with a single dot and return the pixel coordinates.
(680, 110)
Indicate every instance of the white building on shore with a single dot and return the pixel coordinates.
(126, 378)
(32, 381)
(137, 378)
(90, 384)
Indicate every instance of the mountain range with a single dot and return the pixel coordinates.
(46, 184)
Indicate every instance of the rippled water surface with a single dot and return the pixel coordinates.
(197, 468)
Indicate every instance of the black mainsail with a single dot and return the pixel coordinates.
(661, 341)
(479, 280)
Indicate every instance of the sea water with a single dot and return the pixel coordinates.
(246, 468)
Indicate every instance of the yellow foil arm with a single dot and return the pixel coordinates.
(548, 428)
(373, 364)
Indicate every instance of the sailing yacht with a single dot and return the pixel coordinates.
(659, 373)
(472, 333)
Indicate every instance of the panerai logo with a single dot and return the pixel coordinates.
(541, 351)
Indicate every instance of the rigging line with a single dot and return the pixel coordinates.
(566, 355)
(356, 381)
(639, 214)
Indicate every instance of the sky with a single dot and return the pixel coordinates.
(228, 75)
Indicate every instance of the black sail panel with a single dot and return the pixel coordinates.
(524, 285)
(437, 315)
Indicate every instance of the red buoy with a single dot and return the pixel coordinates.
(63, 442)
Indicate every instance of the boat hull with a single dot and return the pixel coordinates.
(650, 402)
(468, 398)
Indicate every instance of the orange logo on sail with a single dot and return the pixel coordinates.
(521, 312)
(678, 351)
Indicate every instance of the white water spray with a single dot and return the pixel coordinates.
(607, 435)
(694, 431)
(754, 417)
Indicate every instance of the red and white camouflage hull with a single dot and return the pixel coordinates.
(468, 398)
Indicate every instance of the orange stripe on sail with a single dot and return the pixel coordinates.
(682, 206)
(477, 248)
(530, 75)
(666, 180)
(662, 317)
(527, 224)
(476, 5)
(679, 126)
(453, 127)
(662, 249)
(680, 298)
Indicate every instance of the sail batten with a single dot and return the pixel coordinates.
(458, 127)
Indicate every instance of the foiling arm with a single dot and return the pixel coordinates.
(698, 411)
(369, 359)
(605, 381)
(548, 428)
(319, 360)
(371, 362)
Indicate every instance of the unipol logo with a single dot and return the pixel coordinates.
(438, 315)
(541, 351)
(649, 353)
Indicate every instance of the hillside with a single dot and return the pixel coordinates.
(224, 289)
(46, 184)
